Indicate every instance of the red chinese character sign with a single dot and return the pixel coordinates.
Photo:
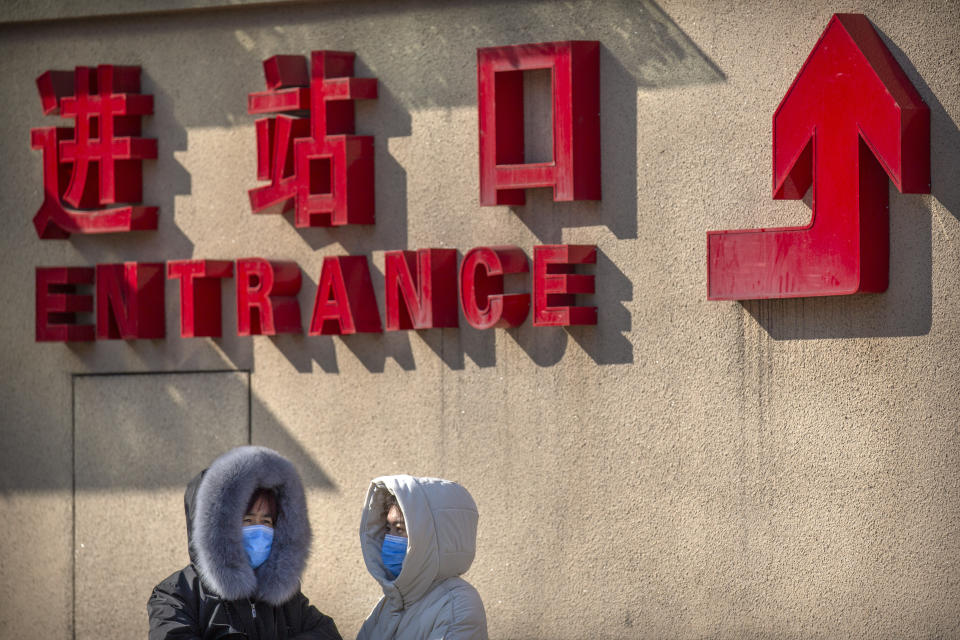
(574, 172)
(850, 120)
(315, 165)
(98, 162)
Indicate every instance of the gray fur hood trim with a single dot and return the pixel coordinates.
(215, 528)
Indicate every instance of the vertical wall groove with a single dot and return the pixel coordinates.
(73, 507)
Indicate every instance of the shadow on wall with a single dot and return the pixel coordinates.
(906, 308)
(606, 343)
(646, 51)
(371, 349)
(383, 118)
(149, 431)
(145, 435)
(163, 180)
(944, 136)
(642, 49)
(173, 353)
(652, 49)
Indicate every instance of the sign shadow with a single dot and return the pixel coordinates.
(383, 118)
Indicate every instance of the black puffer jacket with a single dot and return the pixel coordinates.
(218, 596)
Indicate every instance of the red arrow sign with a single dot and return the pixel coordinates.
(850, 119)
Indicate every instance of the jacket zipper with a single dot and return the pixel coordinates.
(253, 609)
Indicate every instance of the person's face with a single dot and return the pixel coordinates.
(395, 524)
(259, 514)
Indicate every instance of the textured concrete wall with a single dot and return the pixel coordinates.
(683, 469)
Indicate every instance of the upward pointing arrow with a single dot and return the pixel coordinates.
(850, 119)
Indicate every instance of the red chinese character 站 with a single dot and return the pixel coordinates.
(313, 163)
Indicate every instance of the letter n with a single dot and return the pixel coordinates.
(421, 289)
(130, 300)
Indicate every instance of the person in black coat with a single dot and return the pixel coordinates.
(248, 536)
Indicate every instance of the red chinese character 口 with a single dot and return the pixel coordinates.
(574, 171)
(314, 164)
(98, 161)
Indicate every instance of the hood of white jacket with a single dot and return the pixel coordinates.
(441, 523)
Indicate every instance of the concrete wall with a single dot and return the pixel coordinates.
(684, 469)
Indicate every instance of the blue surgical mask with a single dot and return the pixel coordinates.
(257, 540)
(393, 551)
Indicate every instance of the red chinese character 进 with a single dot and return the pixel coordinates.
(314, 164)
(98, 161)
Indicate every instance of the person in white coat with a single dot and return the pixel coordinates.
(418, 535)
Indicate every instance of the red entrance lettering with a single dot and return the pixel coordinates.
(481, 287)
(345, 301)
(267, 297)
(200, 306)
(421, 289)
(555, 282)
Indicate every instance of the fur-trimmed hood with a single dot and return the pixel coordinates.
(215, 502)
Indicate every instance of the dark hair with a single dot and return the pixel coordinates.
(389, 500)
(269, 498)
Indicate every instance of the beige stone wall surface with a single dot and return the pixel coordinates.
(684, 469)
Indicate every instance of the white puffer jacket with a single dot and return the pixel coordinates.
(428, 600)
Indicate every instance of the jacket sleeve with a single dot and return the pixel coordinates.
(369, 627)
(313, 624)
(467, 619)
(173, 616)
